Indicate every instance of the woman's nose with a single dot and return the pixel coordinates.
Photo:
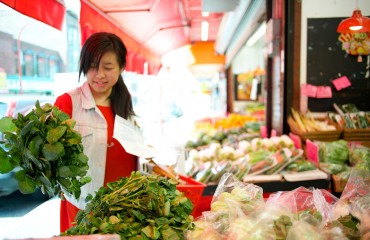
(99, 73)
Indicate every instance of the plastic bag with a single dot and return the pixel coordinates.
(312, 205)
(359, 157)
(353, 207)
(233, 200)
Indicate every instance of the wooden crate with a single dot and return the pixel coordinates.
(356, 134)
(318, 135)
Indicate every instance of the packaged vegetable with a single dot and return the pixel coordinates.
(359, 157)
(333, 152)
(352, 211)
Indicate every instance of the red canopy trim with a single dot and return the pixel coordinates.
(50, 12)
(94, 20)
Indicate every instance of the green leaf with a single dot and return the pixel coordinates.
(71, 171)
(44, 180)
(53, 151)
(82, 158)
(7, 125)
(169, 234)
(162, 221)
(85, 179)
(138, 215)
(28, 154)
(27, 185)
(60, 115)
(27, 128)
(5, 164)
(35, 145)
(151, 232)
(55, 134)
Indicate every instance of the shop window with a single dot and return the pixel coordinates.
(53, 66)
(28, 67)
(41, 66)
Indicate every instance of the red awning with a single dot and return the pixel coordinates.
(93, 20)
(50, 12)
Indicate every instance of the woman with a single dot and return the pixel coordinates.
(94, 106)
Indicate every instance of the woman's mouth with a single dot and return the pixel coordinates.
(100, 83)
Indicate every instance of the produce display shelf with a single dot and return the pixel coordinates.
(356, 134)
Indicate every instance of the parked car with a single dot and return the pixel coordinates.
(10, 106)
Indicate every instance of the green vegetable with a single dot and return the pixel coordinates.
(282, 226)
(349, 226)
(137, 207)
(360, 157)
(47, 150)
(301, 165)
(334, 152)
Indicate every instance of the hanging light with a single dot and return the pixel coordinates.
(356, 23)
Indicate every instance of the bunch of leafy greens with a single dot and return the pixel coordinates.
(136, 207)
(336, 152)
(47, 150)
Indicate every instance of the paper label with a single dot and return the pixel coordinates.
(324, 92)
(296, 140)
(263, 131)
(273, 133)
(312, 152)
(308, 90)
(342, 82)
(131, 138)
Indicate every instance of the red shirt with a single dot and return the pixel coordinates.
(119, 163)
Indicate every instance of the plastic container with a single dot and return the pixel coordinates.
(192, 190)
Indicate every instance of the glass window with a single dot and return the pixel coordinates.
(53, 67)
(41, 67)
(28, 69)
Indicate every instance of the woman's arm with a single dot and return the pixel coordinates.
(64, 103)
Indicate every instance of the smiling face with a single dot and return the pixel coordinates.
(103, 77)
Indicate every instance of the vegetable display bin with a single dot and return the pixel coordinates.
(192, 190)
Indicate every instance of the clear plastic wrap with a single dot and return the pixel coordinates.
(352, 211)
(312, 205)
(239, 212)
(232, 201)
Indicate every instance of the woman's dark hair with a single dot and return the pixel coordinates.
(91, 53)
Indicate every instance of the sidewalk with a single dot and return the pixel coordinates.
(41, 222)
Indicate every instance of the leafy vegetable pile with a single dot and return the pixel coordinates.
(137, 207)
(47, 150)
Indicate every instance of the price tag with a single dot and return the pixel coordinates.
(324, 92)
(308, 90)
(342, 82)
(296, 140)
(273, 133)
(312, 152)
(263, 131)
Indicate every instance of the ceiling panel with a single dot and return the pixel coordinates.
(161, 25)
